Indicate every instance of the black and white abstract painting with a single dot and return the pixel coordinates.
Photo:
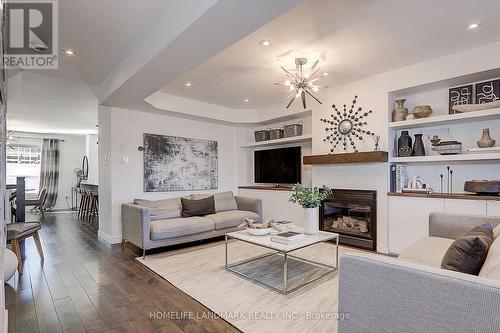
(488, 91)
(460, 96)
(173, 163)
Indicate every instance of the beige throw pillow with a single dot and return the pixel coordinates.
(491, 266)
(225, 201)
(161, 209)
(496, 231)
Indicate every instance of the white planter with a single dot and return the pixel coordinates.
(311, 220)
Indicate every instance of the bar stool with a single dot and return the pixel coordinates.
(93, 211)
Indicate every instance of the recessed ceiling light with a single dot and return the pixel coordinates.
(188, 84)
(325, 74)
(246, 100)
(265, 43)
(69, 52)
(473, 26)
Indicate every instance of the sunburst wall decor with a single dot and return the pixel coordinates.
(301, 83)
(346, 126)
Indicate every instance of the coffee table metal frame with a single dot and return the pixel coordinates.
(286, 254)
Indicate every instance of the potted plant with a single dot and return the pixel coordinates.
(310, 199)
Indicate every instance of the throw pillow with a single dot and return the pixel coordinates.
(198, 207)
(496, 231)
(468, 253)
(161, 209)
(225, 201)
(491, 266)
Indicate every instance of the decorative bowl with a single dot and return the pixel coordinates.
(449, 147)
(422, 111)
(259, 232)
(483, 187)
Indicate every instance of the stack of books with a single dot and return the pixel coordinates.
(283, 225)
(287, 237)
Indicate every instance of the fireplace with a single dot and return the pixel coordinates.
(353, 215)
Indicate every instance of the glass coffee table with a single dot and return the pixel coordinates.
(284, 251)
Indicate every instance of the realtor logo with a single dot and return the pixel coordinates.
(32, 34)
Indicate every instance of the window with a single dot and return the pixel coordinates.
(24, 161)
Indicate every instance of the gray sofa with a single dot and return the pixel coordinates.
(152, 224)
(412, 293)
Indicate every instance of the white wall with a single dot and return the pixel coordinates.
(91, 148)
(72, 151)
(121, 132)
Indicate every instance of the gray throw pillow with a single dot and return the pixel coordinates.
(199, 207)
(468, 253)
(225, 201)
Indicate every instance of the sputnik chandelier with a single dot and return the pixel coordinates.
(302, 82)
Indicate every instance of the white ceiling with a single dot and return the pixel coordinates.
(102, 32)
(352, 39)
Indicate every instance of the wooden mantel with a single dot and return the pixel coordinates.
(359, 157)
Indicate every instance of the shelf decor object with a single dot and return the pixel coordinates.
(302, 82)
(460, 96)
(476, 107)
(418, 146)
(483, 187)
(400, 112)
(488, 91)
(486, 141)
(422, 111)
(345, 126)
(404, 144)
(345, 158)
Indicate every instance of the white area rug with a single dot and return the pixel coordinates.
(250, 307)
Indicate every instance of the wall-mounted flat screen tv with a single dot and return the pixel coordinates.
(278, 166)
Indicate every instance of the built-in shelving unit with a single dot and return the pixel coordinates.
(277, 142)
(434, 169)
(446, 158)
(451, 119)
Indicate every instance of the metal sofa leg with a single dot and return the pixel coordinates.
(143, 254)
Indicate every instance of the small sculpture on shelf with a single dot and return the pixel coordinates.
(400, 112)
(346, 125)
(404, 144)
(418, 146)
(486, 141)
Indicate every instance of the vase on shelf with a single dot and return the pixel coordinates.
(404, 144)
(486, 141)
(418, 146)
(311, 221)
(400, 112)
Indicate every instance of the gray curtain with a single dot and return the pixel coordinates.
(49, 171)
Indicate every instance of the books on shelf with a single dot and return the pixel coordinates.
(399, 178)
(287, 237)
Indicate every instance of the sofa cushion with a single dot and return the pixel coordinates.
(491, 266)
(198, 207)
(428, 250)
(468, 253)
(225, 201)
(161, 209)
(172, 228)
(231, 218)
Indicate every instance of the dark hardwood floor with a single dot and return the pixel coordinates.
(85, 285)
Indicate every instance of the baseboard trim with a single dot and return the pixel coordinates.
(108, 238)
(383, 249)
